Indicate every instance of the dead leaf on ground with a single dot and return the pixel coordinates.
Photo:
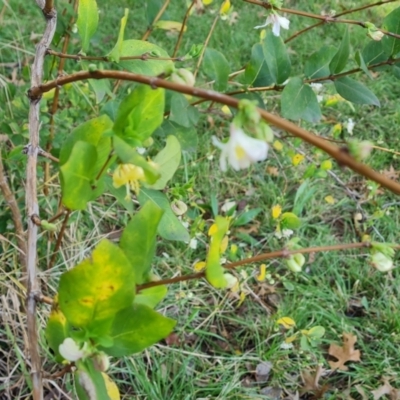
(344, 353)
(311, 383)
(386, 389)
(391, 173)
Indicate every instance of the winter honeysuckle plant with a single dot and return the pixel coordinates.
(139, 93)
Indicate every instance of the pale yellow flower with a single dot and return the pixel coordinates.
(128, 175)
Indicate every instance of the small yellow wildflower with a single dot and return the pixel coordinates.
(297, 159)
(276, 211)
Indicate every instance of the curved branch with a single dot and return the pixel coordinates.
(340, 154)
(261, 257)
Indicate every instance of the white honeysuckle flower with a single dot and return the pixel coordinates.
(193, 243)
(241, 150)
(285, 233)
(70, 350)
(228, 205)
(381, 262)
(350, 126)
(277, 22)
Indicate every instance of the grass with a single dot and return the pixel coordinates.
(221, 339)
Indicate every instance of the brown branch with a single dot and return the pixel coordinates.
(59, 239)
(32, 202)
(78, 57)
(261, 257)
(185, 18)
(15, 213)
(158, 16)
(342, 157)
(203, 50)
(337, 15)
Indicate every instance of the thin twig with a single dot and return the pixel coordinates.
(31, 199)
(59, 239)
(322, 18)
(297, 34)
(54, 106)
(158, 16)
(15, 213)
(178, 43)
(78, 57)
(342, 157)
(203, 50)
(261, 257)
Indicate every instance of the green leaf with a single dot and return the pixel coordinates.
(168, 160)
(276, 57)
(317, 65)
(269, 63)
(140, 114)
(298, 101)
(88, 19)
(93, 132)
(217, 68)
(182, 112)
(304, 194)
(137, 327)
(92, 293)
(187, 137)
(257, 72)
(316, 332)
(149, 67)
(170, 227)
(138, 240)
(355, 92)
(214, 269)
(116, 51)
(246, 217)
(129, 155)
(391, 23)
(290, 220)
(152, 296)
(361, 63)
(374, 52)
(339, 60)
(57, 329)
(76, 176)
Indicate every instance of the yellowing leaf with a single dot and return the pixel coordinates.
(213, 230)
(333, 100)
(330, 200)
(199, 266)
(336, 130)
(226, 5)
(111, 387)
(278, 146)
(262, 273)
(297, 159)
(263, 34)
(170, 26)
(326, 165)
(226, 110)
(214, 269)
(291, 339)
(207, 2)
(276, 211)
(241, 298)
(224, 244)
(286, 322)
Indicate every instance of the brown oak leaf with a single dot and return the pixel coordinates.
(344, 353)
(386, 389)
